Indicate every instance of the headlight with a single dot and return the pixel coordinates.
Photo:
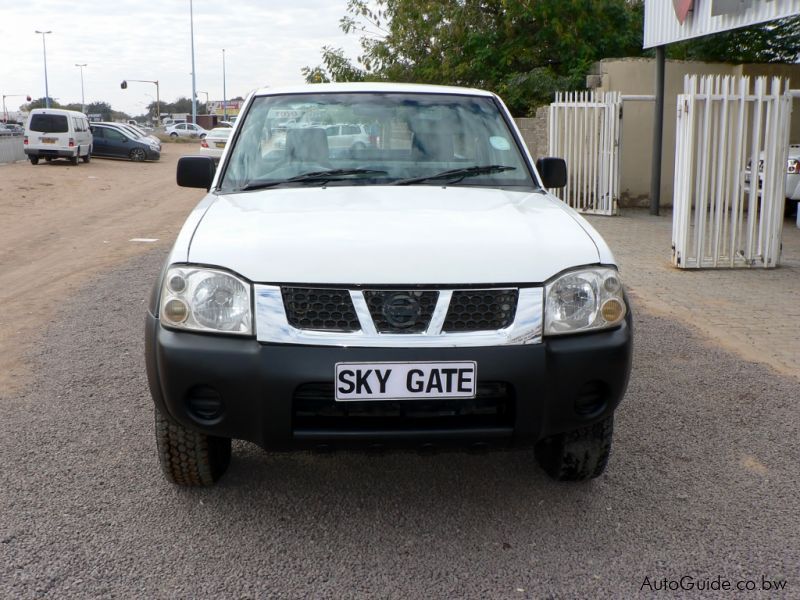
(205, 300)
(583, 301)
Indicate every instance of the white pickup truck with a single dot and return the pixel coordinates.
(422, 291)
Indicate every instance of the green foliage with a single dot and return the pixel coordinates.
(39, 103)
(523, 50)
(100, 108)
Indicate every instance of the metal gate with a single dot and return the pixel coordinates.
(585, 131)
(730, 169)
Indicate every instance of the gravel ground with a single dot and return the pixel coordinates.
(703, 482)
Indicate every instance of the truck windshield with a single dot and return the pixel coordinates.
(375, 139)
(49, 123)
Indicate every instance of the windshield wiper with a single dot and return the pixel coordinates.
(329, 175)
(457, 174)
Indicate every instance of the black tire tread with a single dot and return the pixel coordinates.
(577, 455)
(190, 458)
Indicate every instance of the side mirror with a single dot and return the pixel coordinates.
(553, 172)
(196, 171)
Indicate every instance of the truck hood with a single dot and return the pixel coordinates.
(391, 235)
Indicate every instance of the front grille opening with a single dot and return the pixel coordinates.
(314, 407)
(401, 311)
(320, 309)
(481, 310)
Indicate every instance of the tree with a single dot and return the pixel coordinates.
(39, 103)
(100, 108)
(522, 50)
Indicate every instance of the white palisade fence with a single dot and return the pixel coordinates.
(724, 213)
(585, 131)
(11, 149)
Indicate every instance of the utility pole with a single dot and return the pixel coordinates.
(224, 92)
(83, 100)
(194, 89)
(658, 130)
(46, 88)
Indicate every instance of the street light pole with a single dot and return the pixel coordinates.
(224, 92)
(194, 89)
(5, 112)
(44, 49)
(124, 86)
(83, 100)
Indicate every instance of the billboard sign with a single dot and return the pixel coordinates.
(216, 107)
(679, 20)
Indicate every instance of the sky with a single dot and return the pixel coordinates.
(266, 44)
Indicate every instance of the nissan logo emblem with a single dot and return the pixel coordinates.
(401, 310)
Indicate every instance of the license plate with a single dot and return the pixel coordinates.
(49, 140)
(405, 380)
(220, 144)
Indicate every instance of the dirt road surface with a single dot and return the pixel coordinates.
(60, 224)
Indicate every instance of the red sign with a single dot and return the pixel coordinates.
(682, 9)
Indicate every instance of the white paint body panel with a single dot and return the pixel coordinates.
(389, 235)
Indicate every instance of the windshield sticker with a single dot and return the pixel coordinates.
(499, 143)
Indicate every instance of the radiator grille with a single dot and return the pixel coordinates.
(314, 407)
(320, 309)
(481, 310)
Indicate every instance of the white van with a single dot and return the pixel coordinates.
(54, 133)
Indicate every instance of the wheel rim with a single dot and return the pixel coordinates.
(137, 154)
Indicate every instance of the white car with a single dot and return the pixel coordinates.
(347, 136)
(214, 143)
(792, 184)
(190, 130)
(428, 292)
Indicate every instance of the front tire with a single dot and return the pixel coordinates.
(138, 155)
(577, 455)
(173, 135)
(190, 458)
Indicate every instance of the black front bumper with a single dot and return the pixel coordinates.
(556, 386)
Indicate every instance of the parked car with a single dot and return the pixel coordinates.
(111, 141)
(426, 292)
(792, 185)
(11, 129)
(137, 132)
(55, 133)
(347, 136)
(214, 143)
(186, 130)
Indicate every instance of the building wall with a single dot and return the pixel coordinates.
(637, 76)
(535, 132)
